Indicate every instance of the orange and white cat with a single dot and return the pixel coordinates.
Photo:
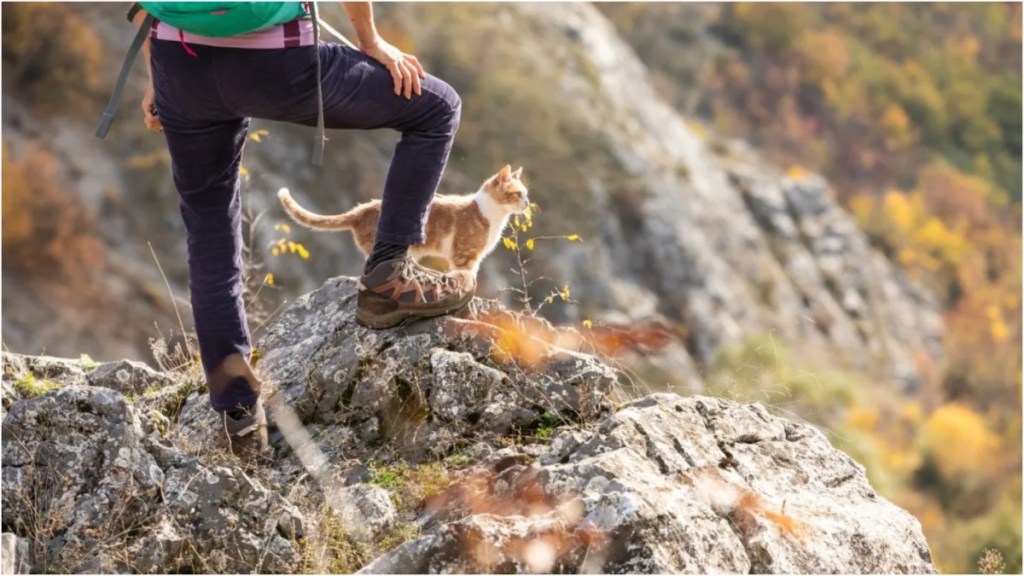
(460, 229)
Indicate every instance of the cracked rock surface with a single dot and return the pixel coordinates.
(670, 484)
(94, 493)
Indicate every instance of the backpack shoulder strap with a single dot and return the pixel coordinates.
(318, 146)
(132, 11)
(122, 77)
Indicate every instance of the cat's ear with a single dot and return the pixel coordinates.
(518, 173)
(505, 173)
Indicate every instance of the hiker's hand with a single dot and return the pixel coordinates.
(149, 110)
(405, 68)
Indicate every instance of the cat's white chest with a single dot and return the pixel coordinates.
(497, 219)
(494, 233)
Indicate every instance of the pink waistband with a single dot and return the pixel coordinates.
(289, 35)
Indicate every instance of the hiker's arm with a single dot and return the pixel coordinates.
(405, 68)
(148, 101)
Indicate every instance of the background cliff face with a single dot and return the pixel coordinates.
(774, 285)
(699, 232)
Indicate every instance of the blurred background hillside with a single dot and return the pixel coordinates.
(820, 202)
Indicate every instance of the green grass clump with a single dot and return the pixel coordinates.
(31, 387)
(87, 363)
(410, 486)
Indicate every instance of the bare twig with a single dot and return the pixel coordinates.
(174, 302)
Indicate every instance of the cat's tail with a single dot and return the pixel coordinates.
(344, 221)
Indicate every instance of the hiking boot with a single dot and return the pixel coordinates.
(247, 434)
(398, 289)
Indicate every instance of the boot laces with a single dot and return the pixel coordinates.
(414, 272)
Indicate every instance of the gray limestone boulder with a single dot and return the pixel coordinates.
(92, 492)
(670, 484)
(425, 387)
(129, 377)
(26, 376)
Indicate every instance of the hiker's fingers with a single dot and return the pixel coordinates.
(153, 123)
(396, 74)
(417, 66)
(416, 73)
(410, 82)
(405, 69)
(149, 115)
(405, 79)
(415, 77)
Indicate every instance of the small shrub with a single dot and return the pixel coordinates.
(87, 363)
(991, 562)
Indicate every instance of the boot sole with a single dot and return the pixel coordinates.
(392, 319)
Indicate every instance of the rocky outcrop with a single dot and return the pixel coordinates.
(544, 466)
(92, 492)
(429, 386)
(674, 485)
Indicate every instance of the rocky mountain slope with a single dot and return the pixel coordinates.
(425, 448)
(679, 226)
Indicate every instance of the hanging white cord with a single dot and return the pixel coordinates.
(335, 33)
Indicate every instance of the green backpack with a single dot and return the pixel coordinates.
(224, 18)
(217, 19)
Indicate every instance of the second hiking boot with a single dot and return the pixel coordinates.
(398, 289)
(247, 434)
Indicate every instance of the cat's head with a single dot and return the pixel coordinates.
(507, 190)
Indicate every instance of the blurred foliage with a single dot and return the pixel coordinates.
(913, 111)
(949, 233)
(873, 93)
(49, 52)
(868, 94)
(47, 233)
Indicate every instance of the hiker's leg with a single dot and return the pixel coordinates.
(206, 162)
(428, 123)
(359, 93)
(206, 151)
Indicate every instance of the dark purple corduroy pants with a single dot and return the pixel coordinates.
(205, 103)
